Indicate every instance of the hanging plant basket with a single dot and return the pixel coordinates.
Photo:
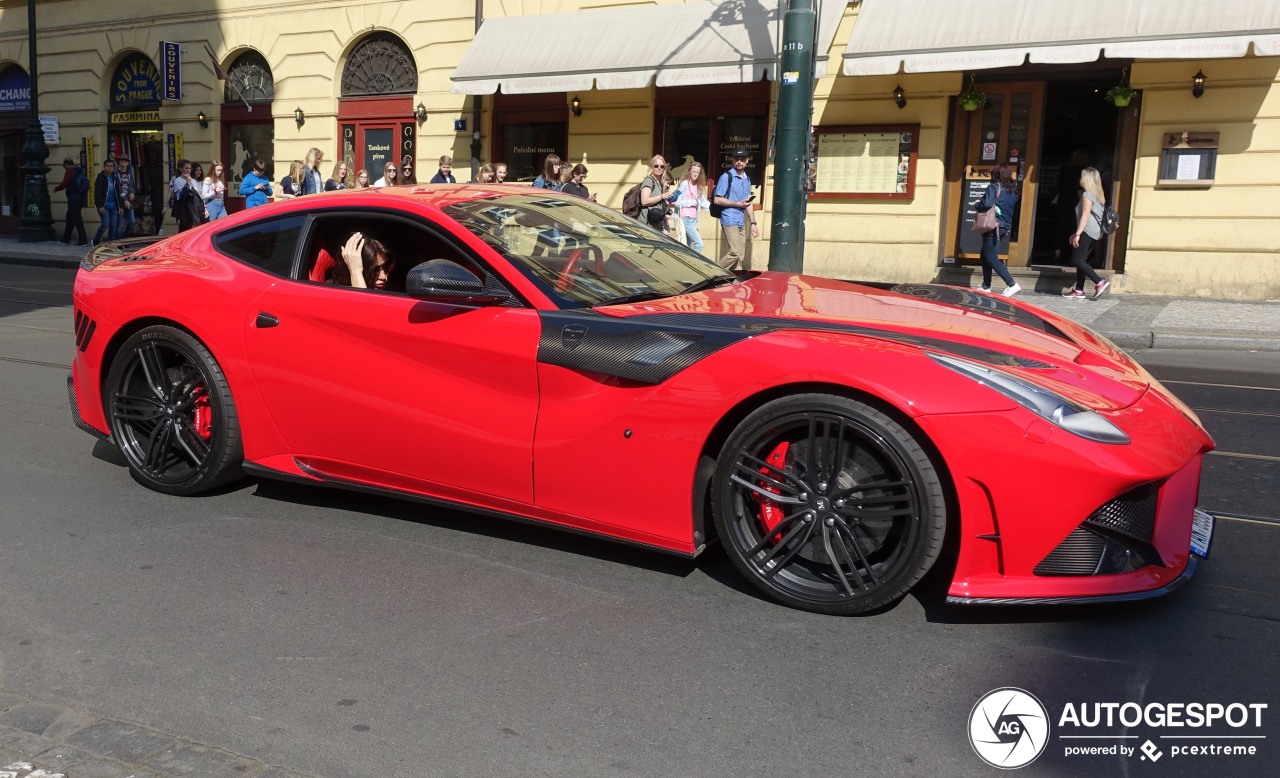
(1121, 94)
(971, 99)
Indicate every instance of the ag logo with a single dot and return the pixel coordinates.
(1008, 728)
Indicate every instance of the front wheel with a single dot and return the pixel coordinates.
(828, 505)
(171, 413)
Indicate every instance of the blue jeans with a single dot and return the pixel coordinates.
(691, 235)
(125, 226)
(110, 224)
(991, 259)
(217, 209)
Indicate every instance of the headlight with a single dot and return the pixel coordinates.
(1040, 401)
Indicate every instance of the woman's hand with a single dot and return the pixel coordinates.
(1074, 240)
(351, 251)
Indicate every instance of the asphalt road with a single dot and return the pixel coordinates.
(345, 635)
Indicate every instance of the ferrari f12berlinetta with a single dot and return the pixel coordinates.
(530, 355)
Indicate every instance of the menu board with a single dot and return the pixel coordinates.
(871, 161)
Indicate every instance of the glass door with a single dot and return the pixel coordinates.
(1006, 129)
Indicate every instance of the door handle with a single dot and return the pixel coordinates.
(265, 320)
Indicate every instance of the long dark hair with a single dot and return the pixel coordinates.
(1002, 174)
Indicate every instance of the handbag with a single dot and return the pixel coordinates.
(985, 221)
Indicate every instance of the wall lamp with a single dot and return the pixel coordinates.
(1197, 84)
(203, 120)
(575, 105)
(900, 97)
(299, 117)
(420, 113)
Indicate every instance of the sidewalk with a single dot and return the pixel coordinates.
(1132, 321)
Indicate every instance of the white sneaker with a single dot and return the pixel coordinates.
(984, 289)
(1012, 290)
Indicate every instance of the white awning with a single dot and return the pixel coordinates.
(929, 36)
(627, 48)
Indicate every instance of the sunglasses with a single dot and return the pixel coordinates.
(407, 170)
(659, 167)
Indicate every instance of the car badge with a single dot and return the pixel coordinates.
(572, 335)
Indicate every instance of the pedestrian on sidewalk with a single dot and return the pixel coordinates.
(188, 207)
(550, 178)
(213, 191)
(1001, 194)
(127, 191)
(691, 199)
(104, 194)
(499, 172)
(733, 195)
(256, 187)
(341, 178)
(486, 175)
(1088, 231)
(444, 175)
(577, 174)
(76, 185)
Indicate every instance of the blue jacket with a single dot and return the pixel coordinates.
(1007, 201)
(253, 197)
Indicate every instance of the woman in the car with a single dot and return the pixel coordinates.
(367, 264)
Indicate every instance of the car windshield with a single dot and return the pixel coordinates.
(582, 254)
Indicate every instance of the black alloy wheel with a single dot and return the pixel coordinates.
(828, 505)
(171, 413)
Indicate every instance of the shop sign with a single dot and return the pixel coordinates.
(134, 117)
(89, 162)
(171, 61)
(173, 157)
(135, 84)
(52, 132)
(15, 90)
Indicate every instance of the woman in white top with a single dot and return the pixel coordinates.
(388, 175)
(213, 189)
(691, 197)
(1088, 231)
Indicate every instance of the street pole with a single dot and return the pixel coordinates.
(795, 111)
(37, 220)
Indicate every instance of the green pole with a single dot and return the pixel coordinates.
(795, 109)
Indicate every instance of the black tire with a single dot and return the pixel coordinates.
(845, 519)
(171, 413)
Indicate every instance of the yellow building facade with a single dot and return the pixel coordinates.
(608, 83)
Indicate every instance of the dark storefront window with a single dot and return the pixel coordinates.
(525, 146)
(709, 123)
(248, 131)
(526, 128)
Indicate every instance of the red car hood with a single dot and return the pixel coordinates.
(1099, 376)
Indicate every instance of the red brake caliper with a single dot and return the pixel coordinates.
(771, 512)
(203, 414)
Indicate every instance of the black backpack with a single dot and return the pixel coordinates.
(716, 210)
(1109, 220)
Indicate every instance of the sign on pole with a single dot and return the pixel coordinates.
(171, 67)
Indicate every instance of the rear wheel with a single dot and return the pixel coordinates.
(171, 413)
(827, 504)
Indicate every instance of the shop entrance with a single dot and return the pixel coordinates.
(1047, 128)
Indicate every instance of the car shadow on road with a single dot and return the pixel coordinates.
(511, 529)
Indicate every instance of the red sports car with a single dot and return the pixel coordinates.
(529, 355)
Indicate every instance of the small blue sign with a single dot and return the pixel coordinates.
(171, 68)
(15, 90)
(459, 125)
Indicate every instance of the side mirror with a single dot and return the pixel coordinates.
(443, 279)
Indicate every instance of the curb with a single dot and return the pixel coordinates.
(40, 260)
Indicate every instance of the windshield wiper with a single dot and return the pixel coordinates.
(633, 298)
(708, 283)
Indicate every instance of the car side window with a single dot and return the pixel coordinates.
(407, 244)
(269, 245)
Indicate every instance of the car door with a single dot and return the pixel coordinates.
(380, 388)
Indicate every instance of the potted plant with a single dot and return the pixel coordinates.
(1120, 94)
(971, 99)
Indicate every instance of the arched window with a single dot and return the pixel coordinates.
(380, 65)
(249, 80)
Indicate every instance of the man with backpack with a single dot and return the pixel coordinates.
(733, 199)
(76, 185)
